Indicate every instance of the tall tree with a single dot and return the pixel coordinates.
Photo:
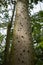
(7, 46)
(22, 52)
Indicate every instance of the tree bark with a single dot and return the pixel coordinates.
(22, 52)
(7, 46)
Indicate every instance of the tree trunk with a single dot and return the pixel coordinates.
(22, 46)
(7, 46)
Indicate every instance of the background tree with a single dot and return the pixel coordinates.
(7, 46)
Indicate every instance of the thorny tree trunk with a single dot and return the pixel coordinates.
(22, 46)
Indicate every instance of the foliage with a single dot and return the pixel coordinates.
(36, 1)
(1, 48)
(37, 34)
